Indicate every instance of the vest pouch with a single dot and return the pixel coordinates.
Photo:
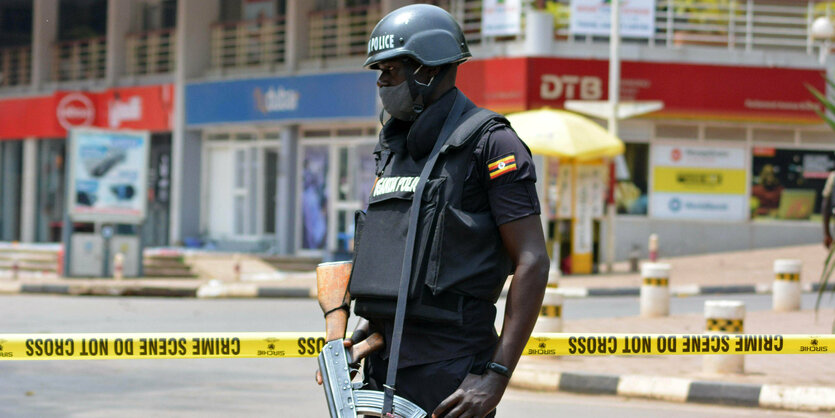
(379, 249)
(464, 256)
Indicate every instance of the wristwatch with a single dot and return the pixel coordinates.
(498, 368)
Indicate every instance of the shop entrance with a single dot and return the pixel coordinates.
(336, 176)
(11, 153)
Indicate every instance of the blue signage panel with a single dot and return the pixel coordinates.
(326, 96)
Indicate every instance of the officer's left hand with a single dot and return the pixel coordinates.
(476, 397)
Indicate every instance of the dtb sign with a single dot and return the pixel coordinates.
(570, 87)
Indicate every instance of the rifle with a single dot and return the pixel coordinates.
(345, 398)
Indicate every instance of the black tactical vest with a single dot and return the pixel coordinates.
(458, 254)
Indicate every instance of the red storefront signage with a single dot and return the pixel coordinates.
(687, 90)
(142, 108)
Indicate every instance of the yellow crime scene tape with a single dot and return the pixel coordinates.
(309, 344)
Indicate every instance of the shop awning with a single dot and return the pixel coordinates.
(566, 135)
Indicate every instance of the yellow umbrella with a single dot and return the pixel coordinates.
(564, 135)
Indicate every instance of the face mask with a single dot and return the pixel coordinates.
(398, 101)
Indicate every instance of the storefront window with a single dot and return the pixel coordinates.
(50, 190)
(632, 180)
(786, 184)
(314, 197)
(365, 176)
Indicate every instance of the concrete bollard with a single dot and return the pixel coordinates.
(15, 267)
(236, 267)
(653, 247)
(724, 317)
(655, 289)
(785, 296)
(553, 277)
(118, 266)
(59, 262)
(550, 315)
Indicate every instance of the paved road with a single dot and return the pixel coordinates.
(219, 388)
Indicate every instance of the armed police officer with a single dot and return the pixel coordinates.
(453, 212)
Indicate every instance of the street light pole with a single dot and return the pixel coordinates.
(823, 29)
(614, 97)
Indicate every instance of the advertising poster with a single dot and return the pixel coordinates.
(693, 182)
(594, 17)
(501, 17)
(583, 206)
(109, 171)
(314, 199)
(564, 191)
(786, 184)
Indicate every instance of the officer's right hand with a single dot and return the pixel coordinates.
(827, 241)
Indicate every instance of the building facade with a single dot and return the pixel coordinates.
(263, 120)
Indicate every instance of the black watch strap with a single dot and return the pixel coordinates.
(498, 368)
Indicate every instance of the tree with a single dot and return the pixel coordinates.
(825, 114)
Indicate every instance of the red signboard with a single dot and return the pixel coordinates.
(687, 90)
(142, 108)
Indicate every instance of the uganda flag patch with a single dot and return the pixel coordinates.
(502, 166)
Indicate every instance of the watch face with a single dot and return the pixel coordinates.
(498, 368)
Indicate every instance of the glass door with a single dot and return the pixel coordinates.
(355, 177)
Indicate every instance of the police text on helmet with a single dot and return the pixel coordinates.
(380, 42)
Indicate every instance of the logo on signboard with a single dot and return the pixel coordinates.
(75, 109)
(553, 87)
(675, 154)
(675, 204)
(276, 99)
(120, 111)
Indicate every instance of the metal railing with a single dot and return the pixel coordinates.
(732, 24)
(79, 60)
(15, 65)
(779, 25)
(342, 32)
(468, 15)
(259, 42)
(151, 52)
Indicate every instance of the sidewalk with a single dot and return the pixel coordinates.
(722, 273)
(712, 272)
(805, 382)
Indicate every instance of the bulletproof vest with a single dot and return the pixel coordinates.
(458, 254)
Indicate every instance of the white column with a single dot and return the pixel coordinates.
(614, 98)
(44, 34)
(285, 222)
(296, 39)
(539, 33)
(391, 5)
(119, 14)
(194, 18)
(29, 190)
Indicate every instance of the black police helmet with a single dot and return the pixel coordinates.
(426, 33)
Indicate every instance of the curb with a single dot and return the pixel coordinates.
(216, 289)
(675, 389)
(681, 291)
